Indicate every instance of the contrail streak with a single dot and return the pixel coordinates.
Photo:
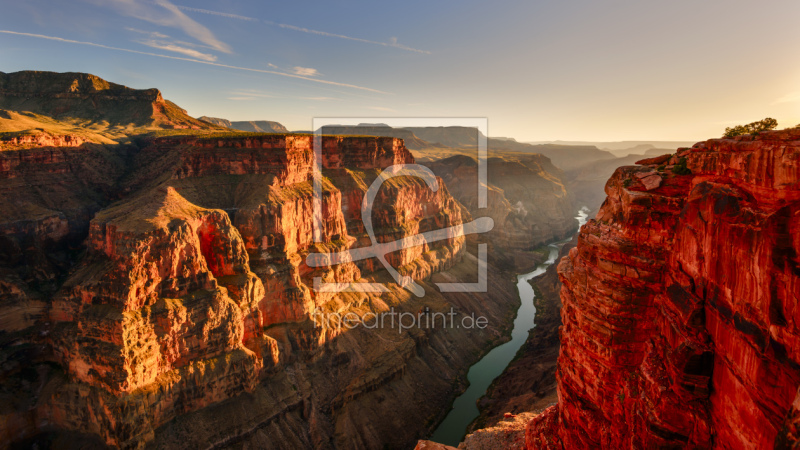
(227, 66)
(303, 30)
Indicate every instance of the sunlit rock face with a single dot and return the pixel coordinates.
(91, 100)
(680, 305)
(156, 294)
(194, 287)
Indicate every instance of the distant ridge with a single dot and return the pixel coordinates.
(88, 100)
(621, 146)
(565, 157)
(256, 126)
(448, 136)
(411, 140)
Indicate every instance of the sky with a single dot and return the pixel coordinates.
(591, 70)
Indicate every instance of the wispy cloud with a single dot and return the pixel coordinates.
(252, 94)
(297, 70)
(217, 13)
(305, 71)
(380, 108)
(164, 13)
(174, 47)
(788, 98)
(392, 42)
(151, 34)
(198, 61)
(162, 41)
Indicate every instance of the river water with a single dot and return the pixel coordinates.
(451, 431)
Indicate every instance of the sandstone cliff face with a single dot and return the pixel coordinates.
(48, 196)
(193, 289)
(679, 314)
(50, 192)
(25, 140)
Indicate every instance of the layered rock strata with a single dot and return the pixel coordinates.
(191, 318)
(680, 324)
(32, 140)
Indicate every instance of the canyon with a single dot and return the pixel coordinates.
(526, 198)
(193, 289)
(679, 310)
(518, 374)
(156, 292)
(581, 168)
(528, 383)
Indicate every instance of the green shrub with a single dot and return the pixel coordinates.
(751, 128)
(680, 168)
(627, 183)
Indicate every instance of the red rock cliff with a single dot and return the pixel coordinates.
(680, 314)
(194, 288)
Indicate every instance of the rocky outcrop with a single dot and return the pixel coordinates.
(429, 445)
(31, 140)
(508, 433)
(160, 303)
(679, 305)
(587, 180)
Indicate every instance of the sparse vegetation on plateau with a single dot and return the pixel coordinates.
(751, 128)
(680, 168)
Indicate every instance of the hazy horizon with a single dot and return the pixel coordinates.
(539, 71)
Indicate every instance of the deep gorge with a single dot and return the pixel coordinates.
(155, 295)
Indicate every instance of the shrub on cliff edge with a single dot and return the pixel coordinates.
(751, 128)
(680, 168)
